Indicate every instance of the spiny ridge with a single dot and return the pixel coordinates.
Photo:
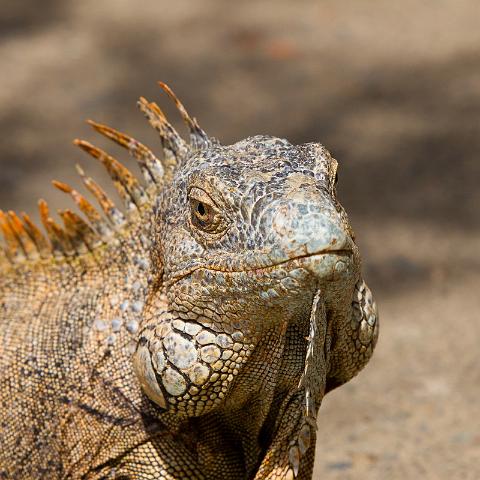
(99, 224)
(174, 146)
(309, 385)
(23, 240)
(13, 248)
(81, 235)
(127, 185)
(27, 244)
(37, 236)
(113, 214)
(150, 165)
(59, 240)
(198, 138)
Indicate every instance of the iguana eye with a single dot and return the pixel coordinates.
(202, 211)
(204, 214)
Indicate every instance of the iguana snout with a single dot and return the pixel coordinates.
(307, 226)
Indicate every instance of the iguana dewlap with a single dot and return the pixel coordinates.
(191, 334)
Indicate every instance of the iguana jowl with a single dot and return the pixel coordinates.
(195, 334)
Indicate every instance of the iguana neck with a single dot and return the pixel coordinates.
(242, 430)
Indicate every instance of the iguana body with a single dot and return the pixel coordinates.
(193, 337)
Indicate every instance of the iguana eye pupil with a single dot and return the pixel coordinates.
(201, 209)
(202, 214)
(205, 215)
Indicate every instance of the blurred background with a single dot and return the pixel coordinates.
(391, 88)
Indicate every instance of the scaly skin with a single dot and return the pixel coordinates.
(195, 340)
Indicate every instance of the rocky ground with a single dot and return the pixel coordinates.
(392, 88)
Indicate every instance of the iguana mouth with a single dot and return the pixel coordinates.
(343, 252)
(340, 252)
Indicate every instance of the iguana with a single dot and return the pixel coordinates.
(191, 334)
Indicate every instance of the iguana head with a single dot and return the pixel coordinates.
(244, 236)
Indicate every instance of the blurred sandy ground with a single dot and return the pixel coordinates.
(392, 88)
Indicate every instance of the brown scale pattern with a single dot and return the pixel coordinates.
(191, 334)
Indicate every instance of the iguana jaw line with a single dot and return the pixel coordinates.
(343, 252)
